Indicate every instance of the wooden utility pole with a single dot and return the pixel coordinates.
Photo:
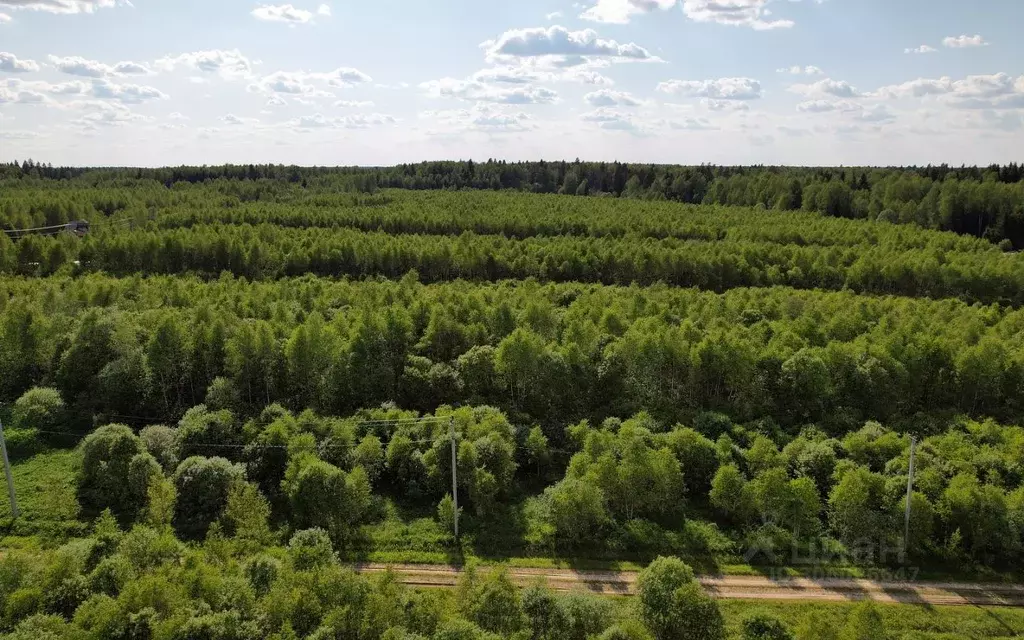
(455, 480)
(7, 470)
(910, 491)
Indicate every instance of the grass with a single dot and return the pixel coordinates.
(902, 621)
(45, 486)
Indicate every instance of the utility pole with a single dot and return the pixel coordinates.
(910, 490)
(455, 480)
(7, 470)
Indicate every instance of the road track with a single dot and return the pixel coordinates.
(737, 587)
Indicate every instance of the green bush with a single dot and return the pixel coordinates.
(40, 408)
(23, 603)
(111, 575)
(673, 604)
(162, 443)
(203, 485)
(311, 548)
(761, 626)
(261, 572)
(22, 443)
(105, 478)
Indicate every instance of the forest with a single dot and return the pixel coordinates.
(986, 202)
(242, 379)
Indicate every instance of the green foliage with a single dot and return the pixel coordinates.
(673, 605)
(202, 486)
(115, 472)
(492, 602)
(40, 408)
(762, 626)
(311, 548)
(162, 443)
(864, 623)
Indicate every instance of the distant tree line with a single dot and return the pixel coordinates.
(986, 202)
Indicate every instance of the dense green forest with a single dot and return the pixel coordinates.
(260, 371)
(984, 202)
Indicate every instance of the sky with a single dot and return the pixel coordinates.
(381, 82)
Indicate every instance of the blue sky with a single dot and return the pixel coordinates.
(159, 82)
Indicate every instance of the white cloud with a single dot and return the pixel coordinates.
(19, 135)
(963, 42)
(276, 101)
(720, 89)
(878, 113)
(233, 120)
(127, 68)
(827, 87)
(569, 48)
(996, 91)
(481, 117)
(613, 120)
(22, 96)
(809, 70)
(353, 104)
(344, 77)
(4, 18)
(178, 116)
(77, 66)
(125, 93)
(609, 98)
(324, 10)
(474, 91)
(229, 64)
(282, 13)
(620, 11)
(554, 15)
(69, 88)
(508, 75)
(304, 83)
(741, 13)
(358, 121)
(106, 114)
(922, 49)
(724, 105)
(691, 124)
(825, 106)
(9, 63)
(62, 6)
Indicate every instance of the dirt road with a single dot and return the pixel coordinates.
(739, 587)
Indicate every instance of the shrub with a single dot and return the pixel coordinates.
(494, 603)
(111, 575)
(761, 626)
(22, 443)
(202, 485)
(105, 479)
(200, 427)
(544, 617)
(370, 456)
(674, 606)
(23, 603)
(584, 614)
(162, 443)
(577, 511)
(40, 408)
(311, 548)
(42, 627)
(261, 572)
(144, 547)
(63, 598)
